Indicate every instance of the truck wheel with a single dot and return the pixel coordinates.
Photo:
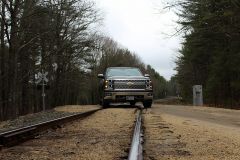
(105, 104)
(147, 104)
(132, 103)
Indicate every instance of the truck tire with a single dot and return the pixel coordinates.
(132, 103)
(147, 104)
(105, 104)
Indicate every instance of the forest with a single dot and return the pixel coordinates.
(59, 37)
(210, 55)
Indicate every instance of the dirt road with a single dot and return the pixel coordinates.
(186, 132)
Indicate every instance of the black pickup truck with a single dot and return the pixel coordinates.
(125, 84)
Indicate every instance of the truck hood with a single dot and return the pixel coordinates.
(128, 77)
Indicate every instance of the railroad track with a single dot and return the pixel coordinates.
(136, 145)
(17, 136)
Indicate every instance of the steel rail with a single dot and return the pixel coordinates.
(17, 136)
(136, 146)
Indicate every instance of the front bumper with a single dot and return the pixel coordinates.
(120, 96)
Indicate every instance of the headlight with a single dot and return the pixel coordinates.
(149, 85)
(108, 84)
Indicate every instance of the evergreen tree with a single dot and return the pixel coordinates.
(210, 53)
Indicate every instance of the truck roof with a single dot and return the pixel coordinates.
(120, 67)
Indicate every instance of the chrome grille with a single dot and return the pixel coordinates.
(129, 84)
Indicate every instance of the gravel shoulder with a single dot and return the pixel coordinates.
(205, 140)
(35, 118)
(104, 135)
(226, 117)
(192, 133)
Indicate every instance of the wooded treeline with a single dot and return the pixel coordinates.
(49, 35)
(58, 37)
(211, 51)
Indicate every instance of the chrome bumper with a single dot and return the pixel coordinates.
(146, 95)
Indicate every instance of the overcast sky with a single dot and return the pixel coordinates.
(142, 26)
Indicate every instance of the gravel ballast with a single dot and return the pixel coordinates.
(160, 140)
(35, 118)
(104, 135)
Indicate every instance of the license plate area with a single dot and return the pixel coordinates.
(130, 98)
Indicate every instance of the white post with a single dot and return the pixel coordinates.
(43, 92)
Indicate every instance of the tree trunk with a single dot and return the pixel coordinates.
(13, 61)
(2, 71)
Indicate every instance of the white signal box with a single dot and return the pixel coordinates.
(197, 95)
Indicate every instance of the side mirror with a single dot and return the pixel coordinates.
(146, 75)
(100, 76)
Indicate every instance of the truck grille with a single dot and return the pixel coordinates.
(129, 84)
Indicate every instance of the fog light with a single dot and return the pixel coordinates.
(150, 94)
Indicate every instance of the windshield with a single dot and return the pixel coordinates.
(123, 72)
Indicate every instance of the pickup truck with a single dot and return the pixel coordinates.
(125, 84)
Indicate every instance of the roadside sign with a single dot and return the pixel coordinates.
(42, 77)
(41, 84)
